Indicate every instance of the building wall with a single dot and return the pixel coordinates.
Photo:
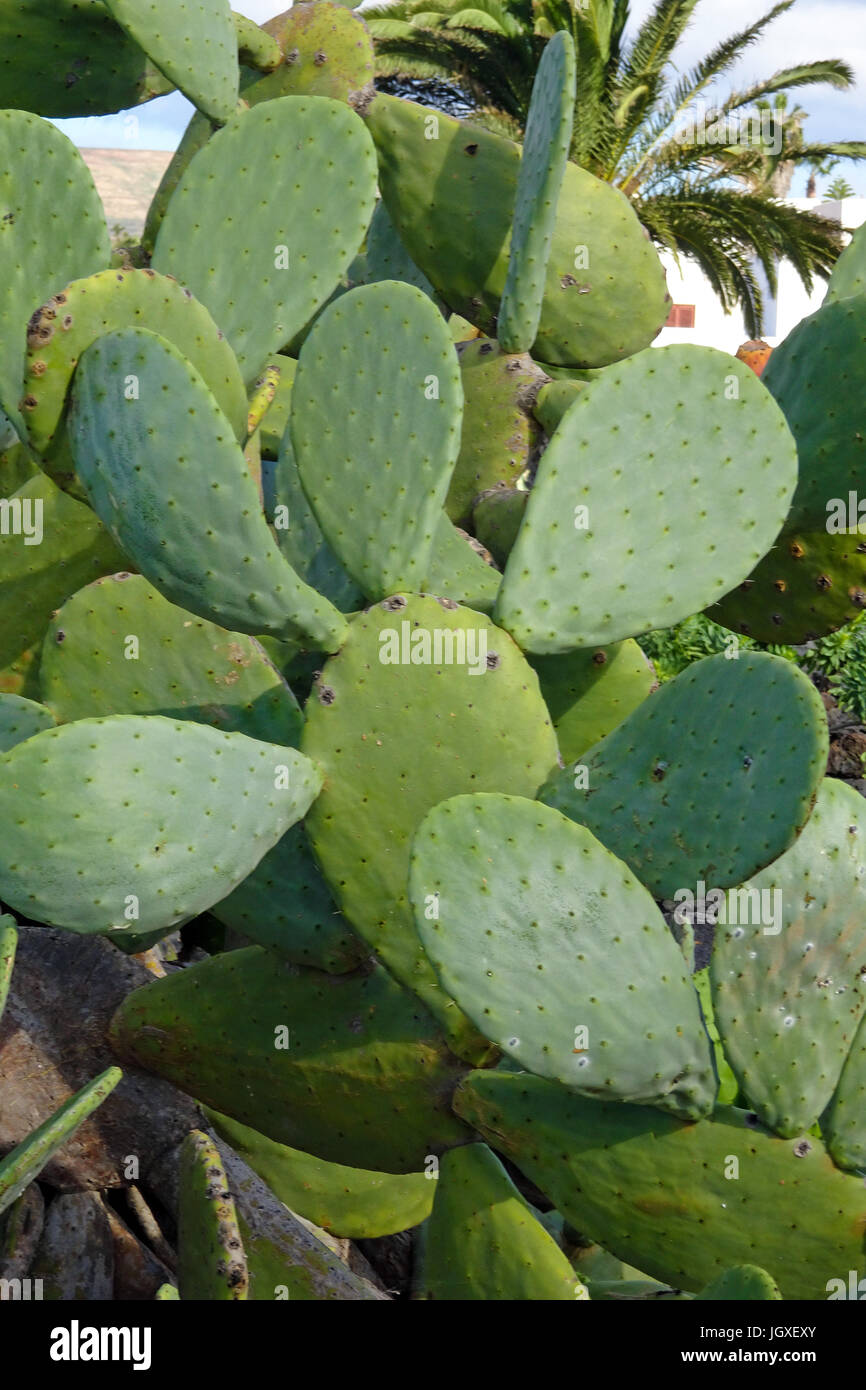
(714, 328)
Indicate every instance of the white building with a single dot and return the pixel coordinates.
(703, 320)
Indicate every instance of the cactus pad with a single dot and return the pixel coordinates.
(710, 779)
(665, 1196)
(212, 1266)
(347, 1067)
(99, 837)
(544, 157)
(788, 969)
(118, 647)
(676, 441)
(188, 516)
(311, 218)
(557, 954)
(192, 42)
(20, 719)
(484, 1241)
(589, 693)
(375, 427)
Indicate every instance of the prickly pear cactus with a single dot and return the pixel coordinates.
(329, 519)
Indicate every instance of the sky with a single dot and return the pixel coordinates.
(812, 29)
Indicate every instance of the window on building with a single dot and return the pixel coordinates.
(681, 316)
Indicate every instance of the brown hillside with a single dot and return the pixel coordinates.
(127, 181)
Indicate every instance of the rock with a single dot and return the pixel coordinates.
(75, 1257)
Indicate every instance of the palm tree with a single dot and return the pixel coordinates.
(705, 173)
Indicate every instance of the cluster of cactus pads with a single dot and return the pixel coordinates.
(329, 520)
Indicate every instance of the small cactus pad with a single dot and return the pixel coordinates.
(375, 427)
(36, 579)
(212, 1265)
(590, 692)
(544, 157)
(286, 904)
(347, 1067)
(52, 229)
(710, 779)
(496, 520)
(553, 401)
(276, 417)
(354, 1203)
(500, 435)
(744, 1284)
(426, 700)
(167, 1293)
(788, 969)
(310, 219)
(24, 1163)
(682, 1202)
(98, 835)
(193, 42)
(450, 190)
(843, 1124)
(8, 947)
(256, 47)
(20, 719)
(116, 299)
(849, 273)
(485, 1242)
(810, 584)
(71, 58)
(328, 53)
(557, 954)
(676, 441)
(119, 647)
(818, 377)
(188, 516)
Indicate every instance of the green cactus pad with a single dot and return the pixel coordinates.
(118, 647)
(544, 158)
(654, 1191)
(589, 693)
(311, 218)
(557, 954)
(843, 1124)
(52, 229)
(460, 572)
(395, 739)
(710, 779)
(276, 418)
(8, 947)
(375, 428)
(450, 190)
(192, 42)
(36, 579)
(347, 1067)
(678, 441)
(500, 435)
(553, 401)
(211, 1265)
(849, 273)
(809, 584)
(20, 719)
(788, 969)
(167, 1293)
(496, 520)
(97, 824)
(301, 540)
(745, 1284)
(354, 1203)
(484, 1241)
(71, 58)
(286, 904)
(188, 517)
(256, 48)
(117, 299)
(818, 377)
(328, 53)
(26, 1161)
(387, 257)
